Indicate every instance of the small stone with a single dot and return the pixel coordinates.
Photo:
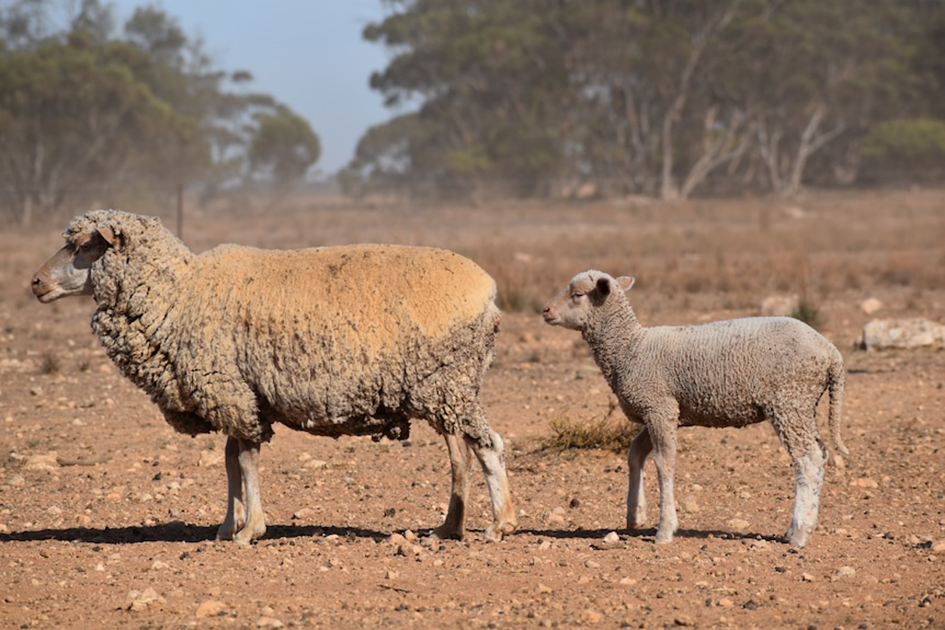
(738, 524)
(556, 519)
(391, 575)
(396, 540)
(304, 514)
(544, 589)
(17, 481)
(846, 572)
(610, 541)
(870, 305)
(725, 602)
(591, 564)
(591, 617)
(143, 600)
(210, 608)
(627, 581)
(938, 546)
(269, 622)
(42, 462)
(864, 482)
(807, 577)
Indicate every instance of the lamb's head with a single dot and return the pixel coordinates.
(88, 238)
(576, 305)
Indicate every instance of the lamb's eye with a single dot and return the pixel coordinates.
(577, 294)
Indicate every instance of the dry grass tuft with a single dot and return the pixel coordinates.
(609, 433)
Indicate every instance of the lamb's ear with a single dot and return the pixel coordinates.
(625, 282)
(601, 291)
(603, 286)
(110, 237)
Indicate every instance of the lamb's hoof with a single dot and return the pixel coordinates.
(797, 537)
(497, 531)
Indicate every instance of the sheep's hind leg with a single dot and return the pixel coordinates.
(460, 468)
(640, 449)
(809, 478)
(492, 459)
(662, 433)
(235, 510)
(255, 525)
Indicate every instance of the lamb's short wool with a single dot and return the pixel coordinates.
(350, 340)
(724, 374)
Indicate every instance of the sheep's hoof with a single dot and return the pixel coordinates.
(448, 531)
(664, 537)
(636, 523)
(497, 531)
(248, 534)
(797, 537)
(227, 531)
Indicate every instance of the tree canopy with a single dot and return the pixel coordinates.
(659, 97)
(86, 109)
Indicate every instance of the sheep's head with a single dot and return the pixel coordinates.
(574, 305)
(69, 271)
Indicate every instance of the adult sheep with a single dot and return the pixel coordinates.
(723, 374)
(352, 340)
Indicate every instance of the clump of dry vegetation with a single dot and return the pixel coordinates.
(609, 432)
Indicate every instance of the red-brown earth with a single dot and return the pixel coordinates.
(108, 518)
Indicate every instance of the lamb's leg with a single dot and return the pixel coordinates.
(808, 458)
(255, 525)
(460, 468)
(235, 512)
(640, 449)
(492, 459)
(662, 430)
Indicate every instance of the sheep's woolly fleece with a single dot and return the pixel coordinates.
(769, 363)
(335, 341)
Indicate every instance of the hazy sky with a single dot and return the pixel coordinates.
(308, 54)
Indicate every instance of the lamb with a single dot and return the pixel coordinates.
(350, 340)
(723, 374)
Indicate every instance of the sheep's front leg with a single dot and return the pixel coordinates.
(460, 467)
(235, 511)
(492, 459)
(255, 525)
(640, 449)
(662, 430)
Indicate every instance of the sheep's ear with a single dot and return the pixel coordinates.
(110, 237)
(625, 282)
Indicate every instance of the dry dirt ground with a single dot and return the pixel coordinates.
(108, 518)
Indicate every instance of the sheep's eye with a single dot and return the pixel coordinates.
(577, 294)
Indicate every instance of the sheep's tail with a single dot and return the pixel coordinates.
(835, 382)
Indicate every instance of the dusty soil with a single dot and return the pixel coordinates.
(108, 518)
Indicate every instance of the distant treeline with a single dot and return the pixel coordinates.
(87, 109)
(655, 97)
